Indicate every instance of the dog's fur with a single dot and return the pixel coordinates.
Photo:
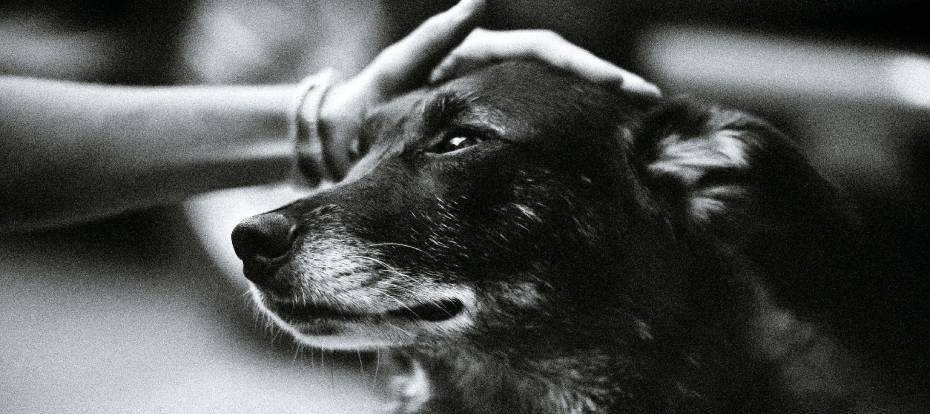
(592, 252)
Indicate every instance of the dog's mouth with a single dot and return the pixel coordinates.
(436, 311)
(432, 311)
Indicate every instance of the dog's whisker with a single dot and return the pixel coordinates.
(332, 375)
(389, 268)
(393, 284)
(396, 272)
(377, 364)
(406, 332)
(401, 245)
(400, 302)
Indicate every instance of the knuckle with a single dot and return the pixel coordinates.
(389, 52)
(480, 33)
(552, 36)
(379, 78)
(477, 38)
(557, 60)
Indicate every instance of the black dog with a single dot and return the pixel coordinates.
(539, 244)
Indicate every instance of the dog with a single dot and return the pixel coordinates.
(535, 243)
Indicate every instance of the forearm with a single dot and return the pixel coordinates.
(71, 152)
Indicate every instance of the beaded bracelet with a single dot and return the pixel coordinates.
(310, 158)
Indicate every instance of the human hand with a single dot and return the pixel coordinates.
(483, 47)
(399, 68)
(435, 52)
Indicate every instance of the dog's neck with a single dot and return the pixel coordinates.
(542, 377)
(570, 365)
(467, 380)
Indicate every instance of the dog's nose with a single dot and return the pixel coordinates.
(263, 237)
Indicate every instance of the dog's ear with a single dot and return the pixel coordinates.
(733, 180)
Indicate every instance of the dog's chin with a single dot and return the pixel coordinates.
(324, 328)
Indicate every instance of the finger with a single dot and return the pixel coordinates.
(340, 151)
(577, 60)
(407, 62)
(339, 114)
(483, 47)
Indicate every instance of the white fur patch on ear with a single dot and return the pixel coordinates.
(688, 159)
(706, 202)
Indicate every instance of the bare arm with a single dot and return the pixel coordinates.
(71, 152)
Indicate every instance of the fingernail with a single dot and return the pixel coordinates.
(640, 86)
(647, 88)
(654, 90)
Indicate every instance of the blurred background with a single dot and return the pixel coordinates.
(146, 312)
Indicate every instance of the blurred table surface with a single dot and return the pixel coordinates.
(132, 315)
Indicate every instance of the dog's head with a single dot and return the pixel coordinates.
(519, 201)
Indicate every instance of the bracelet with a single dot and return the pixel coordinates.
(310, 156)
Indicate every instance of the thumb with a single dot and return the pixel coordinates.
(406, 64)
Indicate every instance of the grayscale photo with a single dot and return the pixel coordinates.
(464, 207)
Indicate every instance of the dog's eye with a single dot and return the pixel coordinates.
(454, 142)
